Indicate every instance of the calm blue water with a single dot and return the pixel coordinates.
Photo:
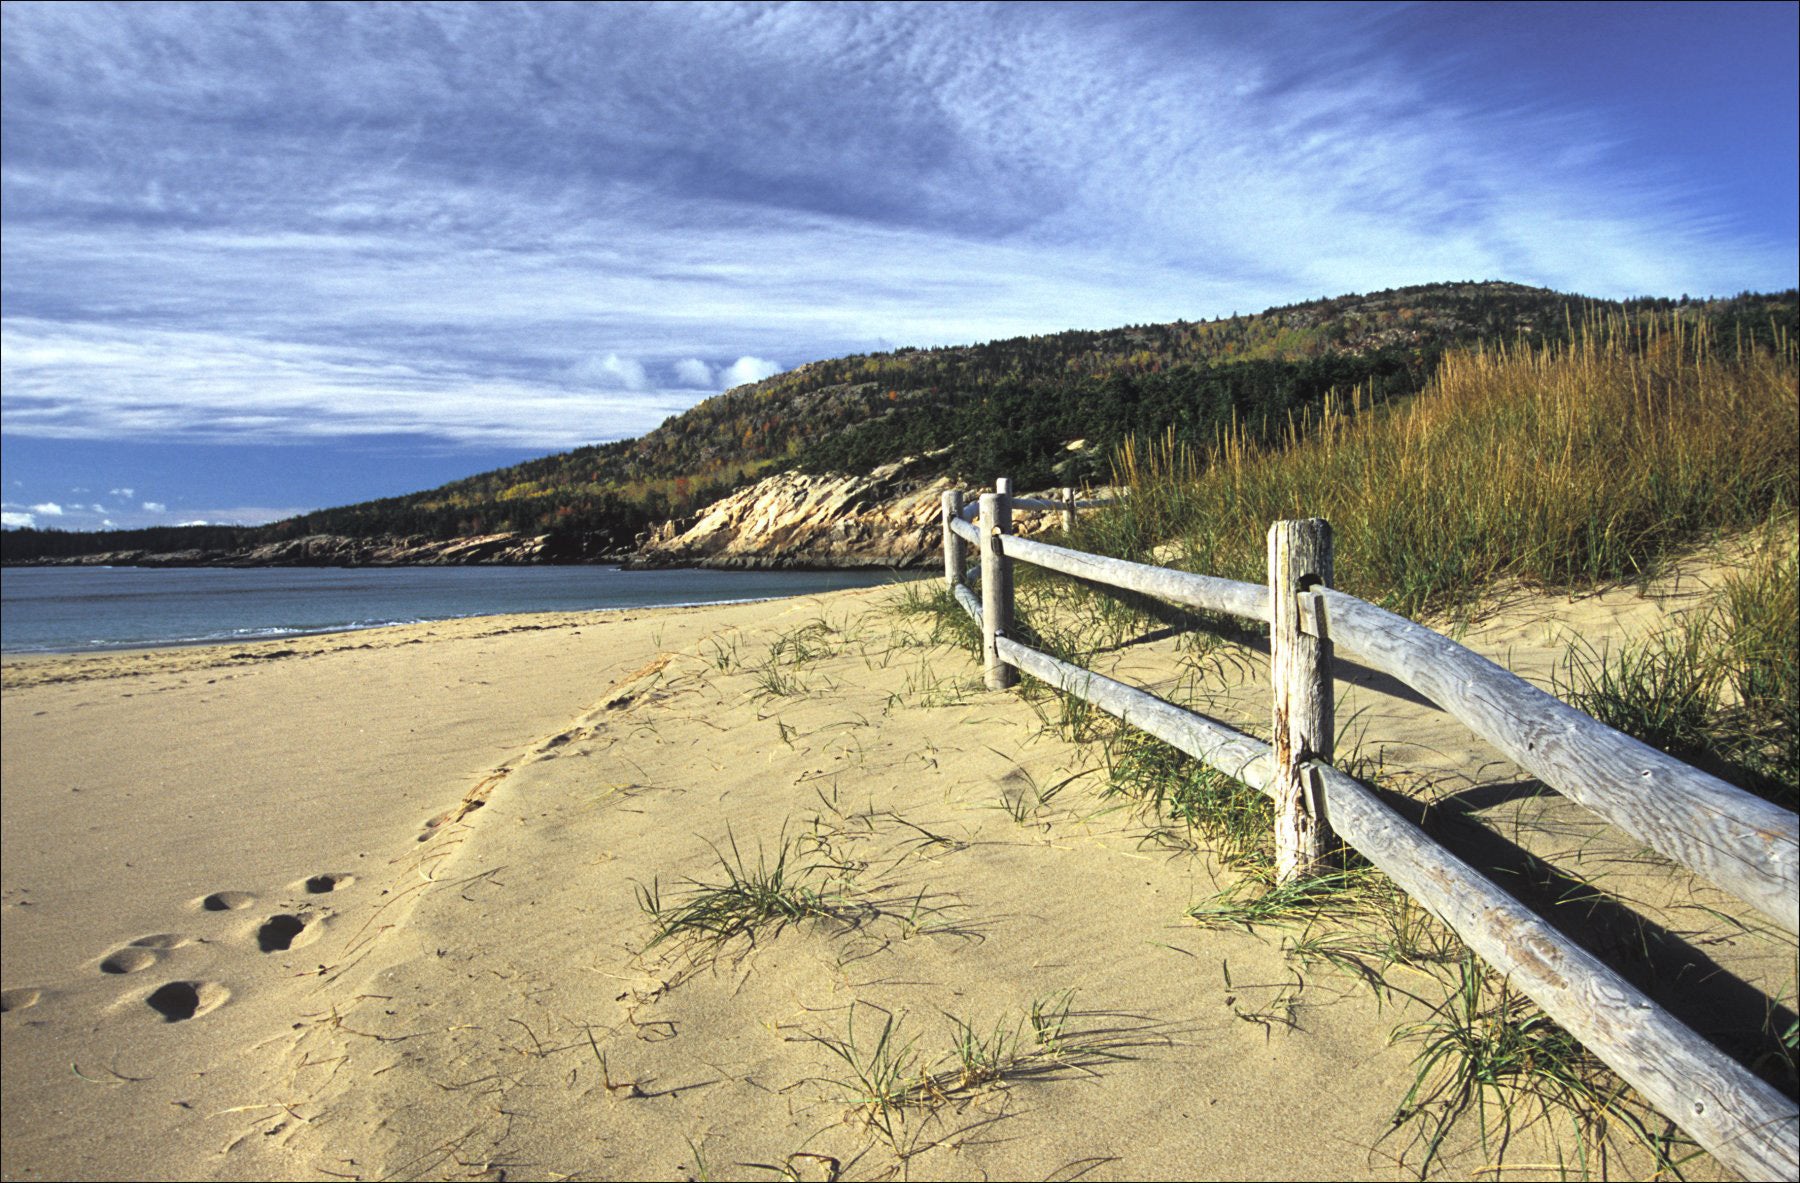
(74, 609)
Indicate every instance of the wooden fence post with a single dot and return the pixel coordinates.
(1300, 674)
(996, 585)
(955, 561)
(1068, 500)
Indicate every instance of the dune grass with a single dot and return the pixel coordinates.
(750, 897)
(1489, 1053)
(887, 1073)
(1557, 465)
(1720, 686)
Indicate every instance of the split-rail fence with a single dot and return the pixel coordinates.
(1746, 846)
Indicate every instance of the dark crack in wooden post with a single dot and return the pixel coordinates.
(1300, 672)
(996, 585)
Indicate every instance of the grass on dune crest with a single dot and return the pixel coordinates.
(1561, 465)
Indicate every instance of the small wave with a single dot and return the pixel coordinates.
(221, 637)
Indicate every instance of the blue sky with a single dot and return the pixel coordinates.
(266, 258)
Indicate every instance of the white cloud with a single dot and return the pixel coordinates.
(694, 374)
(611, 372)
(49, 509)
(17, 521)
(747, 369)
(128, 494)
(98, 508)
(155, 507)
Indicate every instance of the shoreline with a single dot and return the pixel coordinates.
(8, 656)
(19, 669)
(262, 626)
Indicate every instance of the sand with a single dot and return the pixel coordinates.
(371, 906)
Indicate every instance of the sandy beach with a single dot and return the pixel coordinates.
(371, 906)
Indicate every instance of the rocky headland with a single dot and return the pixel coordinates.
(887, 518)
(334, 550)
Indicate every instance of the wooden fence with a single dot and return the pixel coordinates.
(1738, 842)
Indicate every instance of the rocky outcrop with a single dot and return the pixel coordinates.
(885, 519)
(331, 550)
(889, 518)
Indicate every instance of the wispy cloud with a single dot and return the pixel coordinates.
(545, 226)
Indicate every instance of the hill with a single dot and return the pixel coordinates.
(1047, 409)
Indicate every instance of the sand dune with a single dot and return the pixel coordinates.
(372, 906)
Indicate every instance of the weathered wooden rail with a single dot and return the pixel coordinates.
(1738, 842)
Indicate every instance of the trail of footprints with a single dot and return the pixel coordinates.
(180, 1000)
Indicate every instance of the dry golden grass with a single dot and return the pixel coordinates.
(1559, 464)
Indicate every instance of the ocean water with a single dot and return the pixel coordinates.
(79, 609)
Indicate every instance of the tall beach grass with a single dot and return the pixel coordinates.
(1560, 465)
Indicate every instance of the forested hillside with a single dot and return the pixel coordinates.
(1046, 409)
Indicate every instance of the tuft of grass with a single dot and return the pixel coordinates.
(1253, 901)
(931, 602)
(749, 898)
(1050, 1022)
(773, 680)
(1024, 799)
(980, 1059)
(779, 674)
(1759, 613)
(888, 1074)
(1232, 818)
(1662, 690)
(1721, 686)
(723, 653)
(885, 1074)
(1490, 1053)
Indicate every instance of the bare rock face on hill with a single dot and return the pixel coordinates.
(796, 520)
(884, 519)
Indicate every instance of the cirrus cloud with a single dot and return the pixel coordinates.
(254, 223)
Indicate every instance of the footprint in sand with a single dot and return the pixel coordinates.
(227, 901)
(128, 961)
(19, 999)
(163, 940)
(288, 931)
(176, 1001)
(142, 953)
(327, 881)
